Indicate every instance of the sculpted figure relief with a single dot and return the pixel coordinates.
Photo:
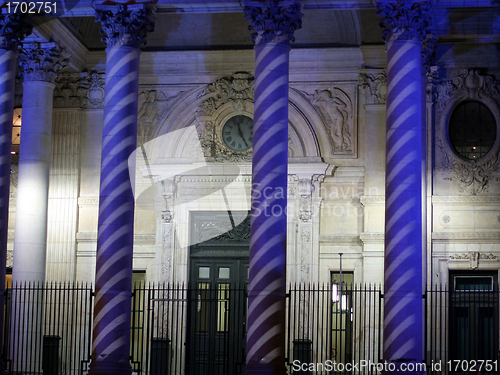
(335, 107)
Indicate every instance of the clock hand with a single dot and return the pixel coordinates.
(241, 135)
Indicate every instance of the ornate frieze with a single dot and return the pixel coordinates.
(13, 29)
(274, 21)
(125, 25)
(42, 61)
(473, 257)
(375, 86)
(221, 100)
(473, 176)
(404, 19)
(84, 90)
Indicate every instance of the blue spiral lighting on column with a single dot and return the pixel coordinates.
(111, 342)
(405, 24)
(274, 23)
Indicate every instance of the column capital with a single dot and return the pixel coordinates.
(42, 61)
(125, 25)
(13, 29)
(404, 19)
(273, 21)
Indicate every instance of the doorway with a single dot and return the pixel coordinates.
(473, 317)
(218, 303)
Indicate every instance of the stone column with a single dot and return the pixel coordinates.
(125, 28)
(40, 62)
(405, 29)
(12, 30)
(274, 23)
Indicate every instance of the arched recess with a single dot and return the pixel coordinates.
(305, 139)
(306, 122)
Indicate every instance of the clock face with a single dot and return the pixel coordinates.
(238, 133)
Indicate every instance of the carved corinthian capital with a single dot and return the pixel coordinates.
(125, 25)
(404, 20)
(273, 21)
(13, 29)
(42, 61)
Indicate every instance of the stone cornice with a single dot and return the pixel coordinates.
(372, 238)
(339, 240)
(461, 199)
(466, 237)
(375, 199)
(273, 21)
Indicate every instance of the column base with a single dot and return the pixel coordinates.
(110, 368)
(264, 369)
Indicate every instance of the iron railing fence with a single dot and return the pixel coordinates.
(334, 330)
(462, 331)
(182, 330)
(47, 328)
(189, 330)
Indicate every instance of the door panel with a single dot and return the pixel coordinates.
(218, 317)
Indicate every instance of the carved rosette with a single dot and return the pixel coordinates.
(42, 61)
(273, 21)
(221, 100)
(13, 29)
(473, 176)
(404, 20)
(79, 91)
(125, 25)
(375, 86)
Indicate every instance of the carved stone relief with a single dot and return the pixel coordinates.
(473, 176)
(10, 258)
(219, 228)
(13, 179)
(305, 201)
(336, 110)
(375, 86)
(473, 257)
(223, 99)
(79, 90)
(152, 104)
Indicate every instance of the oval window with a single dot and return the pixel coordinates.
(472, 130)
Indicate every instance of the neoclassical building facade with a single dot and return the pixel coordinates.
(370, 148)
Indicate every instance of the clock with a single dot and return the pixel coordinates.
(237, 133)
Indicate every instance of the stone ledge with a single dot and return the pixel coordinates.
(466, 237)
